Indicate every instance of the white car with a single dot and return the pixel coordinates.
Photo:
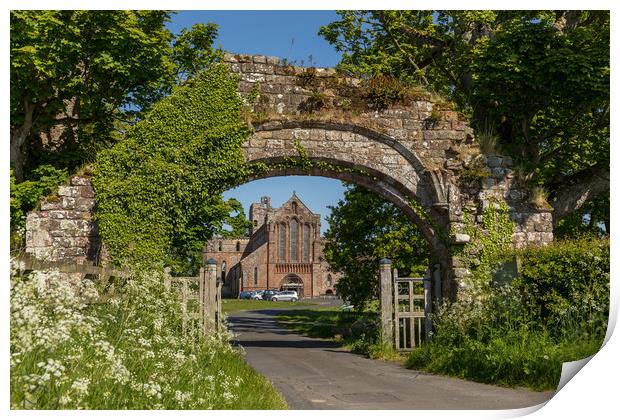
(287, 295)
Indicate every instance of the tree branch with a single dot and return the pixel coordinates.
(578, 189)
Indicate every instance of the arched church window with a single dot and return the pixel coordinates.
(282, 243)
(294, 237)
(294, 207)
(219, 247)
(238, 246)
(329, 280)
(306, 242)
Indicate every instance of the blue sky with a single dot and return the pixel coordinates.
(285, 34)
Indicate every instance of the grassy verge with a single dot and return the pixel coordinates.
(235, 305)
(531, 360)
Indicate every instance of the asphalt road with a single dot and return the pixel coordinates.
(315, 374)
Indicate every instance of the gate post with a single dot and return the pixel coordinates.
(210, 290)
(387, 323)
(428, 325)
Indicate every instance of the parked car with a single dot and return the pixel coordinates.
(245, 295)
(251, 294)
(287, 295)
(256, 295)
(267, 294)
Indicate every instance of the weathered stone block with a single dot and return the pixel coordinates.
(56, 204)
(86, 191)
(57, 214)
(77, 180)
(461, 238)
(68, 191)
(494, 161)
(68, 203)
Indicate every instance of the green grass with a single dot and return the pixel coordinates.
(531, 360)
(255, 391)
(235, 305)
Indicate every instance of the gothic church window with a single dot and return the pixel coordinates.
(294, 237)
(306, 243)
(282, 243)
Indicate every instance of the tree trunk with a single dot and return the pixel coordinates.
(581, 188)
(18, 138)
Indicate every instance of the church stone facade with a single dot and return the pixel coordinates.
(283, 252)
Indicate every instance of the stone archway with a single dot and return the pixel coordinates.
(293, 282)
(420, 155)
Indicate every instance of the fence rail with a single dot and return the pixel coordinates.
(204, 290)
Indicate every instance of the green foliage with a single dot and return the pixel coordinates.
(192, 50)
(519, 334)
(490, 243)
(593, 219)
(239, 225)
(475, 171)
(363, 228)
(538, 79)
(77, 346)
(159, 190)
(82, 71)
(566, 285)
(26, 195)
(81, 78)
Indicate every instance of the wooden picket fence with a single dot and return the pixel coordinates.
(201, 302)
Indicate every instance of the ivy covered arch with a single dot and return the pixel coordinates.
(160, 189)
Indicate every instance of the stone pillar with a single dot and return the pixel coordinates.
(208, 297)
(387, 307)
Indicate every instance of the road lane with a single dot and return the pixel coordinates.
(316, 374)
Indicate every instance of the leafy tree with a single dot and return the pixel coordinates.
(363, 228)
(536, 80)
(78, 72)
(81, 79)
(192, 50)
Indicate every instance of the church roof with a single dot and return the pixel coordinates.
(294, 197)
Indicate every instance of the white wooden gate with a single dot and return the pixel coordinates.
(412, 309)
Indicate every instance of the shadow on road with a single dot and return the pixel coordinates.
(254, 327)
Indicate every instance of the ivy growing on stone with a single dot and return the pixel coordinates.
(159, 190)
(490, 243)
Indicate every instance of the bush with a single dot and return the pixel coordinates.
(73, 347)
(520, 334)
(566, 285)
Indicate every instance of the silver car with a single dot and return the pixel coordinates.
(287, 295)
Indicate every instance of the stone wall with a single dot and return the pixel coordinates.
(63, 228)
